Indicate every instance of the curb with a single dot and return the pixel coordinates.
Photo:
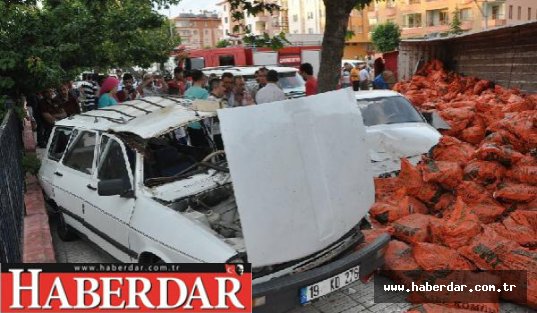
(37, 246)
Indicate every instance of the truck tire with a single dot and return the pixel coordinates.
(65, 232)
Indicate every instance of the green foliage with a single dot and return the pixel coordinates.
(386, 37)
(349, 34)
(31, 164)
(240, 9)
(40, 47)
(455, 25)
(222, 43)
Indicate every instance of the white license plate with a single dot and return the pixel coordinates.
(329, 285)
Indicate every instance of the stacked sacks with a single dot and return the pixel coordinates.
(475, 194)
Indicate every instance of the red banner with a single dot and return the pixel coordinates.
(126, 288)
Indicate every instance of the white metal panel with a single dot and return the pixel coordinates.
(265, 58)
(301, 173)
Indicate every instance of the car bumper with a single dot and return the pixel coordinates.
(282, 294)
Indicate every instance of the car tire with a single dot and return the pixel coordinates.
(65, 232)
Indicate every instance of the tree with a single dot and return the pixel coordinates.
(222, 43)
(386, 37)
(41, 46)
(455, 25)
(337, 19)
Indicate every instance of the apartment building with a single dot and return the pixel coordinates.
(198, 31)
(359, 44)
(270, 23)
(306, 16)
(418, 18)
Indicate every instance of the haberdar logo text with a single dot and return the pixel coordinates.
(125, 288)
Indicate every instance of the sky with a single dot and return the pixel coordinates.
(194, 5)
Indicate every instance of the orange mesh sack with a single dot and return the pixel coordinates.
(447, 174)
(399, 264)
(459, 227)
(489, 250)
(432, 257)
(526, 174)
(509, 191)
(517, 229)
(412, 228)
(503, 154)
(453, 150)
(386, 188)
(484, 172)
(488, 210)
(436, 308)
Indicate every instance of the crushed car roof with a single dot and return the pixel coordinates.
(147, 117)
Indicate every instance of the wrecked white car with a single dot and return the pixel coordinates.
(395, 130)
(287, 195)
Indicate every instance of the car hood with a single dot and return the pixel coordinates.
(301, 173)
(395, 141)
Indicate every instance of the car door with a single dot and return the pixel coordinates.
(109, 216)
(73, 177)
(51, 159)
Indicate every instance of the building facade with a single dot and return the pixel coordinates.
(359, 44)
(198, 31)
(420, 18)
(306, 16)
(270, 23)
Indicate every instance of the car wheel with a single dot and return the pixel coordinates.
(65, 232)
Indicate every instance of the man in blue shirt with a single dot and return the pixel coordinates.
(195, 131)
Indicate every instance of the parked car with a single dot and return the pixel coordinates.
(395, 130)
(352, 62)
(289, 80)
(281, 199)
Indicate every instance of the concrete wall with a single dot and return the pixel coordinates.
(507, 56)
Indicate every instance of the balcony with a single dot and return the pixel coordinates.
(496, 22)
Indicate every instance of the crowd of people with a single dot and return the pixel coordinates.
(94, 92)
(363, 77)
(229, 90)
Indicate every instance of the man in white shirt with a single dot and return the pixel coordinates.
(271, 92)
(364, 78)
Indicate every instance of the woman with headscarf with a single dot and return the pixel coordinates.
(107, 93)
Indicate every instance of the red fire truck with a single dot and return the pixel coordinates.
(291, 56)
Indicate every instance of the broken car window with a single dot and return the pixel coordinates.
(389, 110)
(80, 155)
(59, 143)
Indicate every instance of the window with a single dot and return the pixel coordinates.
(194, 32)
(437, 17)
(310, 15)
(225, 8)
(390, 3)
(81, 153)
(113, 164)
(414, 1)
(529, 14)
(359, 29)
(310, 30)
(497, 12)
(206, 32)
(225, 20)
(226, 60)
(465, 14)
(295, 18)
(519, 15)
(412, 20)
(510, 12)
(183, 24)
(59, 143)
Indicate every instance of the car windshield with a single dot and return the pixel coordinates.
(388, 110)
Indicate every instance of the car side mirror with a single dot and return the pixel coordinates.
(115, 187)
(435, 120)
